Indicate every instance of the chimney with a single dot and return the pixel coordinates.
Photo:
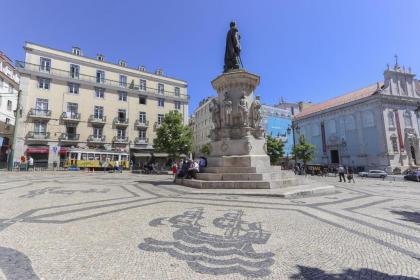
(76, 51)
(122, 63)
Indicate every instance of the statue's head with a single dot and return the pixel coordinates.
(232, 24)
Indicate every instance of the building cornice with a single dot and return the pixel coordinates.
(94, 63)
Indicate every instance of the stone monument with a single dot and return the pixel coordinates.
(238, 157)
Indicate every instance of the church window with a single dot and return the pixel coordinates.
(394, 143)
(350, 124)
(331, 128)
(368, 119)
(407, 119)
(391, 120)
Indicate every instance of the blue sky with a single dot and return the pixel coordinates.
(302, 49)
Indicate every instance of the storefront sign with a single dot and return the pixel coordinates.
(37, 150)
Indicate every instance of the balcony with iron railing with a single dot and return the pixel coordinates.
(140, 140)
(96, 81)
(70, 116)
(69, 137)
(120, 122)
(39, 114)
(37, 135)
(95, 119)
(120, 140)
(96, 139)
(141, 123)
(157, 125)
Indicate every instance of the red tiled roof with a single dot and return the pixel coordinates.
(340, 100)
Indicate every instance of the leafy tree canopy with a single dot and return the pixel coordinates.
(173, 137)
(274, 149)
(304, 151)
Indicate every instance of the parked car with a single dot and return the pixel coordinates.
(373, 174)
(413, 176)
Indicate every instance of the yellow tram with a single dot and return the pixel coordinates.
(82, 158)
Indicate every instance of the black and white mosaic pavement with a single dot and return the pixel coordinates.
(124, 226)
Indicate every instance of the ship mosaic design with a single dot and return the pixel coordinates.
(227, 253)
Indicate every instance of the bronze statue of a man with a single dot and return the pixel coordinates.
(233, 49)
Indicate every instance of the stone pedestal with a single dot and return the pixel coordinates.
(238, 157)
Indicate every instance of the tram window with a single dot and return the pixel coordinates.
(97, 157)
(84, 156)
(108, 156)
(124, 157)
(73, 155)
(91, 156)
(115, 157)
(103, 157)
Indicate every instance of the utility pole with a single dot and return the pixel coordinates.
(12, 150)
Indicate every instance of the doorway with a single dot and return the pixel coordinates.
(334, 157)
(413, 155)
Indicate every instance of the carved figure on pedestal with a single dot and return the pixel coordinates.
(215, 113)
(256, 112)
(243, 110)
(227, 108)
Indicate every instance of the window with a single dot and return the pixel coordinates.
(40, 128)
(142, 117)
(331, 128)
(177, 92)
(100, 76)
(98, 112)
(122, 96)
(74, 88)
(391, 120)
(407, 119)
(74, 71)
(316, 129)
(7, 121)
(97, 132)
(10, 88)
(160, 118)
(161, 102)
(72, 109)
(122, 115)
(41, 107)
(9, 105)
(142, 100)
(100, 92)
(177, 105)
(142, 134)
(76, 51)
(44, 83)
(349, 123)
(368, 119)
(142, 85)
(161, 88)
(123, 81)
(394, 143)
(121, 133)
(45, 64)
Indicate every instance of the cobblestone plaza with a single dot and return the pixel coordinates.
(67, 225)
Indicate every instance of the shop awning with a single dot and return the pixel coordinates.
(160, 154)
(63, 150)
(142, 155)
(37, 150)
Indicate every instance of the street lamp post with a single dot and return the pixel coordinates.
(13, 147)
(291, 129)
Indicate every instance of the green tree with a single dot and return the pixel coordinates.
(206, 149)
(173, 137)
(304, 151)
(274, 149)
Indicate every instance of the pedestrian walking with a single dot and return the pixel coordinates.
(341, 173)
(174, 170)
(31, 163)
(350, 175)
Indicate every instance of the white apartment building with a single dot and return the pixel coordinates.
(70, 100)
(9, 86)
(201, 124)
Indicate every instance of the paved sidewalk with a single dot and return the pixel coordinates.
(74, 225)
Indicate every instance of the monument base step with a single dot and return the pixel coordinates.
(202, 184)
